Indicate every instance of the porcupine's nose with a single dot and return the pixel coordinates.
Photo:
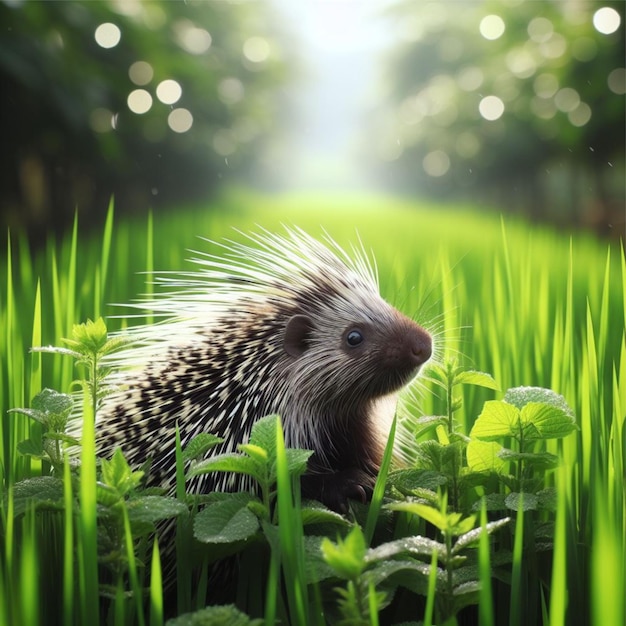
(420, 346)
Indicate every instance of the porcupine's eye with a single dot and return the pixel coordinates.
(354, 338)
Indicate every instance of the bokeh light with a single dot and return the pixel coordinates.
(580, 115)
(606, 20)
(492, 27)
(617, 81)
(169, 91)
(139, 101)
(107, 35)
(230, 90)
(491, 108)
(256, 49)
(141, 73)
(436, 163)
(180, 120)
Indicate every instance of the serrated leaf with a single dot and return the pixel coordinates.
(416, 546)
(480, 379)
(484, 456)
(29, 447)
(106, 495)
(199, 445)
(297, 460)
(117, 473)
(498, 419)
(41, 492)
(346, 556)
(228, 521)
(38, 416)
(525, 501)
(66, 439)
(549, 421)
(151, 509)
(520, 396)
(473, 536)
(492, 502)
(263, 435)
(547, 499)
(231, 462)
(411, 480)
(255, 452)
(227, 615)
(463, 526)
(543, 460)
(434, 516)
(316, 568)
(51, 401)
(315, 513)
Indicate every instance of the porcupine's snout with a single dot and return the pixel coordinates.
(407, 348)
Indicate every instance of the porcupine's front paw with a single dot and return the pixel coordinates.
(334, 490)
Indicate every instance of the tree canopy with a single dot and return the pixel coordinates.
(143, 100)
(519, 103)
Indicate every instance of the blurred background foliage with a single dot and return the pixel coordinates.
(515, 104)
(520, 104)
(87, 112)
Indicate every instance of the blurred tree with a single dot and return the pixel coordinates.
(516, 103)
(153, 102)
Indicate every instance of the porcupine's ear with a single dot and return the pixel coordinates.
(296, 335)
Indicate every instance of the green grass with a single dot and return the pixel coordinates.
(529, 305)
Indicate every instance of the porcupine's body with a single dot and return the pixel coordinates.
(289, 326)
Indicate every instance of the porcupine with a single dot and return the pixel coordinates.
(287, 326)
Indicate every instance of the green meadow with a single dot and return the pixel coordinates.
(529, 305)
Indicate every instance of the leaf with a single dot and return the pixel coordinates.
(88, 338)
(547, 499)
(525, 501)
(228, 521)
(53, 402)
(31, 447)
(297, 460)
(435, 517)
(230, 462)
(199, 445)
(147, 510)
(417, 546)
(346, 556)
(480, 379)
(315, 513)
(227, 615)
(411, 480)
(316, 568)
(492, 502)
(544, 460)
(117, 473)
(263, 435)
(521, 396)
(254, 452)
(484, 456)
(38, 416)
(549, 421)
(498, 419)
(41, 492)
(473, 536)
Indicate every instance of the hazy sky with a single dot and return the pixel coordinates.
(340, 44)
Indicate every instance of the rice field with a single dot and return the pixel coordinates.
(528, 305)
